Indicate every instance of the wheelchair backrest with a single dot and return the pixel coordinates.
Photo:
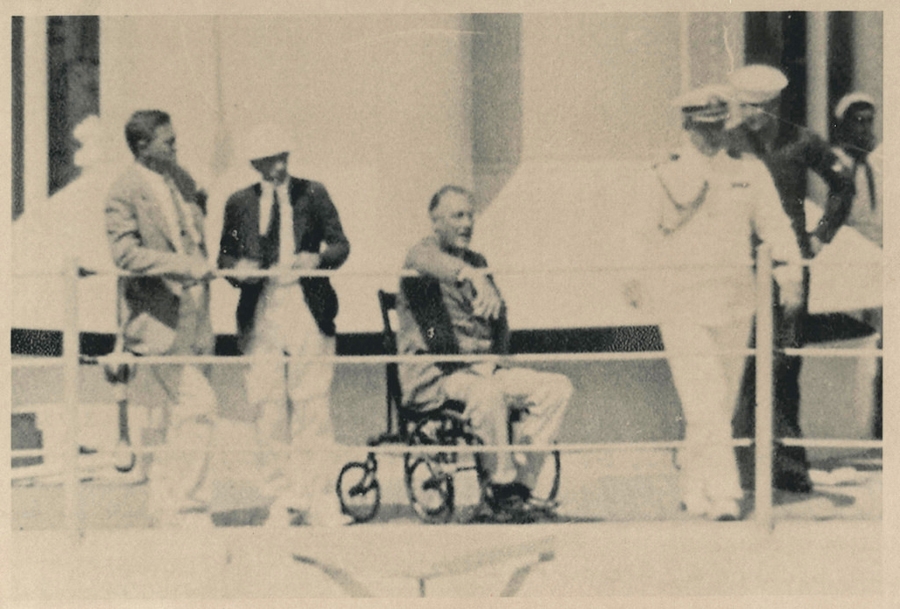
(394, 394)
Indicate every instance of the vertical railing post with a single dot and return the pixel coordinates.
(70, 353)
(764, 387)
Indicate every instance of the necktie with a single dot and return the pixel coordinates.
(187, 239)
(286, 233)
(870, 179)
(270, 253)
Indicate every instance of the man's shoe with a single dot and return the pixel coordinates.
(328, 519)
(193, 506)
(326, 512)
(695, 505)
(181, 520)
(724, 510)
(283, 514)
(499, 493)
(166, 511)
(509, 503)
(544, 507)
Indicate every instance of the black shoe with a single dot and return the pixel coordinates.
(502, 496)
(544, 507)
(511, 503)
(502, 492)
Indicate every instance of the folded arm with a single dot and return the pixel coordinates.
(429, 259)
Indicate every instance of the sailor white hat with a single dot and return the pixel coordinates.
(757, 83)
(857, 97)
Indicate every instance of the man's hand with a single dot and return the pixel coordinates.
(201, 270)
(815, 244)
(486, 302)
(790, 287)
(246, 264)
(307, 261)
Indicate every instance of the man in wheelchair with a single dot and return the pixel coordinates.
(453, 307)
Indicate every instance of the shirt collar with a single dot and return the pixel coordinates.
(147, 172)
(283, 189)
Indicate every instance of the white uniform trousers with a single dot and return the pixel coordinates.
(708, 387)
(294, 428)
(490, 392)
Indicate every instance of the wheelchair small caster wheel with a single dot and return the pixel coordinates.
(359, 491)
(430, 489)
(547, 487)
(124, 458)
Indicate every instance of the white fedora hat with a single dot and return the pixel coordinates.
(265, 140)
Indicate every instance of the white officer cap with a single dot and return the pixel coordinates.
(857, 97)
(265, 140)
(757, 83)
(708, 104)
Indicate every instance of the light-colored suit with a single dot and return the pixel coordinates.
(153, 232)
(159, 307)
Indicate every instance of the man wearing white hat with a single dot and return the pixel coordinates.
(755, 129)
(859, 154)
(757, 88)
(859, 157)
(709, 207)
(287, 223)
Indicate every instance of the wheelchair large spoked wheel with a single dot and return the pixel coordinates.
(359, 491)
(547, 487)
(429, 487)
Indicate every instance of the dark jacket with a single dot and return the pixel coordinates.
(315, 220)
(435, 316)
(788, 165)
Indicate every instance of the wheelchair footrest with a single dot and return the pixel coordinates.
(385, 438)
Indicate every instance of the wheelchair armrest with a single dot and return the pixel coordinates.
(453, 409)
(384, 438)
(455, 415)
(454, 406)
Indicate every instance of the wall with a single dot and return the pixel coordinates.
(595, 108)
(598, 86)
(714, 45)
(496, 101)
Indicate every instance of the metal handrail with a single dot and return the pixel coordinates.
(764, 353)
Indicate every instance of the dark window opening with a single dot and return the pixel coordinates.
(779, 40)
(17, 128)
(73, 90)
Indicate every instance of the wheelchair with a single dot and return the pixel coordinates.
(428, 476)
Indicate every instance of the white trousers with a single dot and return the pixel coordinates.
(177, 473)
(294, 428)
(489, 393)
(708, 387)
